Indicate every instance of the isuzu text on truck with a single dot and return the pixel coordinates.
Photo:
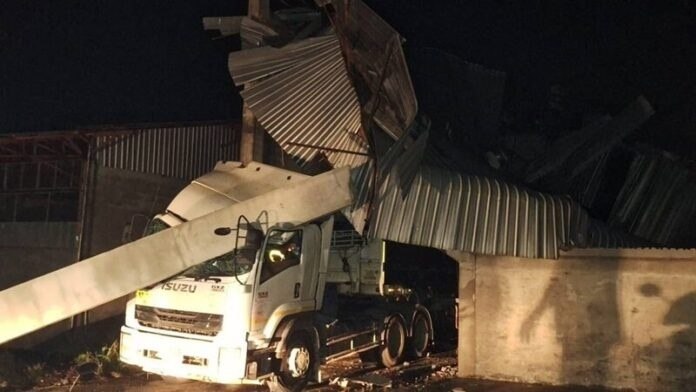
(286, 299)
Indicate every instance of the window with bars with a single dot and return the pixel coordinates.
(39, 191)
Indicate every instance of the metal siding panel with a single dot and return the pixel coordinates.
(184, 152)
(454, 223)
(466, 231)
(475, 209)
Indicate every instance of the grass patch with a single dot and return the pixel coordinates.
(103, 362)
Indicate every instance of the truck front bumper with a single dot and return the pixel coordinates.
(184, 358)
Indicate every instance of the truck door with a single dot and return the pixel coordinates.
(287, 279)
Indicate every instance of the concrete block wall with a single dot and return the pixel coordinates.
(621, 318)
(31, 249)
(120, 204)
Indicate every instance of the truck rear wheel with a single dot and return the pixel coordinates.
(296, 365)
(394, 345)
(421, 334)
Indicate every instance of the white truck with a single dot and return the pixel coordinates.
(284, 301)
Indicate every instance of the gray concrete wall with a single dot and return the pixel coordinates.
(31, 249)
(622, 318)
(122, 202)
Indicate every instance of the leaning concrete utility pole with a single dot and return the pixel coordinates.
(251, 144)
(97, 280)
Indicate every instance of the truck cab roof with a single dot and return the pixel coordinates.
(229, 182)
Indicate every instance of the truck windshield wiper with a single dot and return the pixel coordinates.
(207, 278)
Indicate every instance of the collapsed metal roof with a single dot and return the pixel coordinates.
(449, 210)
(322, 94)
(306, 102)
(376, 64)
(250, 65)
(657, 200)
(579, 149)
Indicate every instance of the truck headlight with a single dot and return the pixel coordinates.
(125, 346)
(230, 358)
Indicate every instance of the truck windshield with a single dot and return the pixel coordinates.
(223, 265)
(233, 263)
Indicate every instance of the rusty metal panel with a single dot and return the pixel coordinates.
(175, 151)
(372, 49)
(311, 107)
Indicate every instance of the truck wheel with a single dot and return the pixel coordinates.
(420, 336)
(296, 365)
(392, 350)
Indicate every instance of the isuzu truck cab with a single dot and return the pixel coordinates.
(285, 300)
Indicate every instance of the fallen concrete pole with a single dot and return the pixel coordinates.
(110, 275)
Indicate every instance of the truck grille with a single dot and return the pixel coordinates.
(178, 320)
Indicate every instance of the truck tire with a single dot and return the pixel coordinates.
(421, 334)
(296, 365)
(394, 345)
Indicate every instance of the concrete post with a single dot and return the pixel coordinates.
(259, 9)
(466, 346)
(246, 145)
(251, 143)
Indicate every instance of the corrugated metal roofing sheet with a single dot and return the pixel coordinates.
(657, 201)
(311, 103)
(448, 210)
(403, 162)
(372, 48)
(184, 152)
(249, 65)
(576, 151)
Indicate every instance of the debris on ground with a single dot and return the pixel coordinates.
(367, 382)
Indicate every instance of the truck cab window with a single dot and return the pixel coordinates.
(283, 250)
(235, 263)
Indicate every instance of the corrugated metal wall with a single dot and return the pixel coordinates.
(175, 151)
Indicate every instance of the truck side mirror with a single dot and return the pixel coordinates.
(222, 231)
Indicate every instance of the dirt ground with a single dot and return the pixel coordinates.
(436, 373)
(58, 371)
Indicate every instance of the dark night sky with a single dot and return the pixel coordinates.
(77, 63)
(72, 63)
